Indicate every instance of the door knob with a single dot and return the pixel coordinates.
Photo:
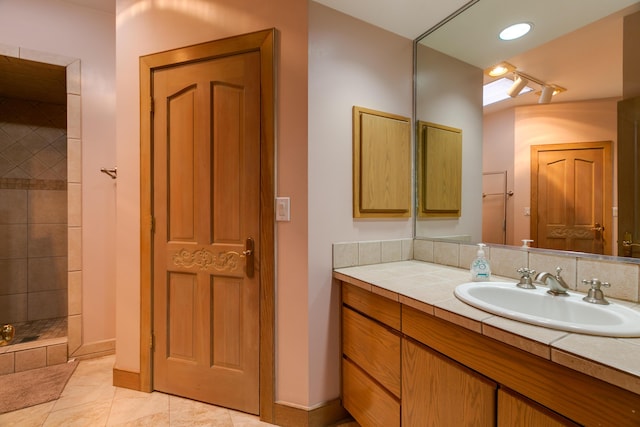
(248, 255)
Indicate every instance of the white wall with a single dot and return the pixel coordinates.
(450, 94)
(350, 63)
(65, 29)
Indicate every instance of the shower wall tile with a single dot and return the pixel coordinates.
(74, 303)
(47, 240)
(74, 160)
(74, 205)
(47, 274)
(14, 241)
(73, 78)
(14, 308)
(75, 248)
(47, 304)
(13, 209)
(74, 123)
(47, 207)
(13, 276)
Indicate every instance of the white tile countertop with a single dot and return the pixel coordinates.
(429, 287)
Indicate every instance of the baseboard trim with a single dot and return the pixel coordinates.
(94, 349)
(324, 415)
(126, 379)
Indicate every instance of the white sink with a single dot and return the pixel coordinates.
(535, 306)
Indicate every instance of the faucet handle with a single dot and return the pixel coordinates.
(595, 294)
(525, 278)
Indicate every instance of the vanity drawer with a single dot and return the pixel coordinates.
(373, 348)
(375, 306)
(368, 402)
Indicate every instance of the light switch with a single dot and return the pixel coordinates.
(283, 212)
(527, 211)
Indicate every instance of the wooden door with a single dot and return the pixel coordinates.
(571, 189)
(206, 246)
(517, 410)
(629, 177)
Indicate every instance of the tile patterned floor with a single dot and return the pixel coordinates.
(90, 400)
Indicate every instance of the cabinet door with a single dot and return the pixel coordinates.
(517, 410)
(437, 391)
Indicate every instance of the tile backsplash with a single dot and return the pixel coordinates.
(623, 276)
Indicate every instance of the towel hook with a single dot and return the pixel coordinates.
(113, 173)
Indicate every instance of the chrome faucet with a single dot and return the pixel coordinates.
(557, 285)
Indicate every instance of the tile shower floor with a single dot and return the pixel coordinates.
(39, 330)
(89, 399)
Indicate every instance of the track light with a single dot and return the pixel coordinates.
(519, 84)
(546, 94)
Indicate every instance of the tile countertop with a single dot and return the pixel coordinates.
(429, 287)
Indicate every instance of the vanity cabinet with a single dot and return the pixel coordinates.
(401, 366)
(371, 357)
(440, 392)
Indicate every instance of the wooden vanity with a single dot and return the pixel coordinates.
(405, 366)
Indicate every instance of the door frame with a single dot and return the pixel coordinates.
(607, 202)
(263, 42)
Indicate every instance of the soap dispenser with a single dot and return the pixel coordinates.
(480, 269)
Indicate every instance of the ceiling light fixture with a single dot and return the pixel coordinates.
(499, 69)
(515, 31)
(519, 84)
(545, 95)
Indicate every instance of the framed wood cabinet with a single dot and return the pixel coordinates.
(437, 391)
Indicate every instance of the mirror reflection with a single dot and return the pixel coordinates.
(539, 159)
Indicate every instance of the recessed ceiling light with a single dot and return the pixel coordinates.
(499, 69)
(515, 31)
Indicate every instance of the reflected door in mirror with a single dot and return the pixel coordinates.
(571, 197)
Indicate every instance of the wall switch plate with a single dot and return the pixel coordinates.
(527, 211)
(283, 211)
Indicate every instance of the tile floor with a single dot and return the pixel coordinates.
(90, 400)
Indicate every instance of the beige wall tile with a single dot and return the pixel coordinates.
(622, 277)
(31, 359)
(73, 78)
(469, 252)
(369, 253)
(423, 250)
(7, 363)
(47, 207)
(506, 262)
(75, 248)
(74, 160)
(74, 205)
(391, 250)
(56, 354)
(14, 241)
(47, 240)
(407, 249)
(75, 292)
(74, 332)
(13, 276)
(74, 122)
(13, 206)
(447, 253)
(345, 255)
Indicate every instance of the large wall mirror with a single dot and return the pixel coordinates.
(539, 150)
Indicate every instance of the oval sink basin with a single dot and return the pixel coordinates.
(537, 307)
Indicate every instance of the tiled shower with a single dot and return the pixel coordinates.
(33, 218)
